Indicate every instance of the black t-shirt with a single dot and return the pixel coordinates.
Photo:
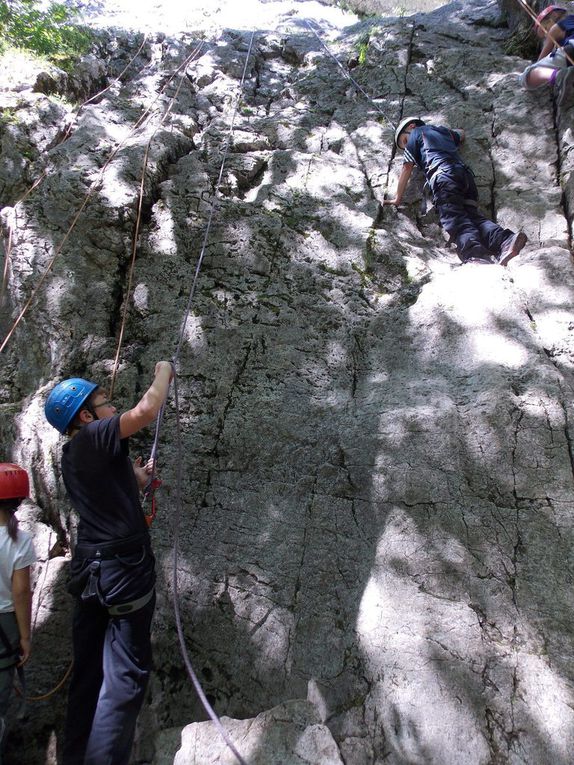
(100, 481)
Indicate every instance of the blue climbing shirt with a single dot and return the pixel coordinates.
(567, 25)
(432, 147)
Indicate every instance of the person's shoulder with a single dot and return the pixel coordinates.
(98, 429)
(23, 543)
(415, 136)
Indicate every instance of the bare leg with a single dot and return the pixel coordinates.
(539, 76)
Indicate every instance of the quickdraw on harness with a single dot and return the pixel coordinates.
(150, 510)
(149, 503)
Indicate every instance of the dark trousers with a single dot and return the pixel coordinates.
(473, 233)
(9, 627)
(112, 663)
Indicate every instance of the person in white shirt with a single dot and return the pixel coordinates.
(16, 556)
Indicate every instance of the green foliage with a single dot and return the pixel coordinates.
(522, 43)
(363, 47)
(50, 31)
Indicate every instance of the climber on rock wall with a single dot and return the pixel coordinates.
(113, 566)
(554, 65)
(435, 150)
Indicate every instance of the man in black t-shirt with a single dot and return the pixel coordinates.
(435, 150)
(112, 570)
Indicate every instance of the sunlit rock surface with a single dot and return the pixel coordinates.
(377, 465)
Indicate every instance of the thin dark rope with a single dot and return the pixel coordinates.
(213, 207)
(179, 450)
(135, 237)
(349, 76)
(143, 118)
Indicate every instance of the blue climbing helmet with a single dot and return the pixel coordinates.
(66, 400)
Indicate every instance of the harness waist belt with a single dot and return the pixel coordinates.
(134, 605)
(109, 550)
(441, 170)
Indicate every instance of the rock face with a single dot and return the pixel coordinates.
(377, 461)
(388, 7)
(289, 734)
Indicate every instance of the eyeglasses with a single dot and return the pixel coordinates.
(104, 403)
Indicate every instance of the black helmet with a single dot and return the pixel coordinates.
(402, 126)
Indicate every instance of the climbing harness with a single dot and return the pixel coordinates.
(10, 659)
(9, 655)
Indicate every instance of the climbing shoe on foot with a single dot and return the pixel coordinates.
(511, 248)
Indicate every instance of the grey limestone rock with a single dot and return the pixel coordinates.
(289, 734)
(377, 460)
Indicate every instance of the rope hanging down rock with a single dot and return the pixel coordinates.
(524, 5)
(95, 185)
(44, 175)
(350, 77)
(179, 450)
(135, 236)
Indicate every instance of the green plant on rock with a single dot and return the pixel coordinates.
(49, 30)
(522, 43)
(8, 116)
(362, 49)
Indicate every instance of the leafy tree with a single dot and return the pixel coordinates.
(51, 30)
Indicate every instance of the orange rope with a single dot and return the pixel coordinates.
(138, 222)
(54, 690)
(45, 173)
(534, 17)
(88, 196)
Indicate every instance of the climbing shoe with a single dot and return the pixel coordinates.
(511, 248)
(564, 88)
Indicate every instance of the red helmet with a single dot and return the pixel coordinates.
(14, 483)
(546, 12)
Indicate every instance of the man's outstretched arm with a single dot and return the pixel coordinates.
(403, 183)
